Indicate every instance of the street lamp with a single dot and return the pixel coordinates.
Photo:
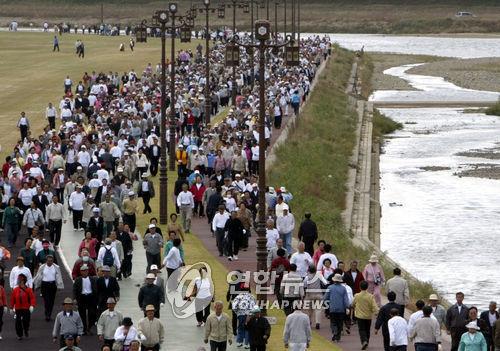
(262, 34)
(220, 14)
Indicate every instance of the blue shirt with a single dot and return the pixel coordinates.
(336, 297)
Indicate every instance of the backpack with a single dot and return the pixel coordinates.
(108, 259)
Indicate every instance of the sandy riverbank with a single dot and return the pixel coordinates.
(478, 74)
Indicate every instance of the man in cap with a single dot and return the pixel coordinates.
(158, 278)
(48, 279)
(153, 243)
(108, 322)
(438, 310)
(67, 322)
(151, 294)
(218, 328)
(85, 294)
(107, 286)
(96, 226)
(259, 330)
(146, 191)
(152, 329)
(84, 259)
(154, 156)
(338, 302)
(185, 202)
(182, 160)
(130, 208)
(69, 344)
(76, 205)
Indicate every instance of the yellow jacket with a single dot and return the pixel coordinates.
(364, 305)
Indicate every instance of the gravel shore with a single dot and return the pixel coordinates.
(478, 74)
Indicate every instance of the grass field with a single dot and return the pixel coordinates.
(358, 16)
(32, 75)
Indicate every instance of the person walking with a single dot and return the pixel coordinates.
(24, 125)
(398, 331)
(51, 116)
(383, 317)
(56, 44)
(85, 294)
(76, 206)
(426, 334)
(308, 233)
(153, 243)
(286, 225)
(3, 302)
(313, 285)
(130, 208)
(456, 319)
(151, 294)
(55, 216)
(496, 335)
(259, 330)
(218, 227)
(146, 191)
(203, 293)
(374, 275)
(472, 340)
(67, 322)
(69, 342)
(107, 286)
(172, 262)
(301, 259)
(489, 318)
(297, 331)
(22, 304)
(109, 321)
(126, 334)
(365, 308)
(400, 287)
(151, 330)
(10, 222)
(48, 279)
(291, 288)
(17, 271)
(234, 229)
(127, 238)
(108, 256)
(185, 202)
(242, 305)
(33, 216)
(218, 330)
(338, 301)
(438, 311)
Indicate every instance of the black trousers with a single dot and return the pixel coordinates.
(87, 308)
(218, 345)
(198, 208)
(153, 167)
(60, 195)
(233, 246)
(398, 348)
(456, 334)
(336, 324)
(24, 131)
(55, 231)
(56, 46)
(130, 220)
(202, 312)
(48, 290)
(364, 326)
(77, 218)
(146, 197)
(219, 239)
(152, 259)
(154, 348)
(52, 122)
(23, 318)
(1, 316)
(127, 265)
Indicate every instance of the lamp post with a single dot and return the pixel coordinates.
(160, 20)
(244, 5)
(276, 3)
(220, 14)
(262, 34)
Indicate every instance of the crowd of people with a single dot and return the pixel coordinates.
(96, 158)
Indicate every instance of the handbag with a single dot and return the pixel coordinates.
(117, 346)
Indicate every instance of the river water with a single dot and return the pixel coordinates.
(439, 226)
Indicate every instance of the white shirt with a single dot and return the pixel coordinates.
(219, 220)
(14, 273)
(203, 287)
(25, 195)
(331, 257)
(76, 200)
(185, 198)
(286, 224)
(145, 186)
(302, 261)
(49, 274)
(398, 331)
(173, 259)
(86, 286)
(271, 235)
(492, 318)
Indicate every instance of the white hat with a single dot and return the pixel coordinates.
(120, 169)
(151, 226)
(337, 278)
(131, 193)
(373, 259)
(283, 189)
(238, 175)
(181, 146)
(79, 167)
(433, 297)
(285, 207)
(95, 209)
(153, 267)
(472, 325)
(150, 276)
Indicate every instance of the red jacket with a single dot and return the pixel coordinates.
(22, 299)
(197, 193)
(3, 297)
